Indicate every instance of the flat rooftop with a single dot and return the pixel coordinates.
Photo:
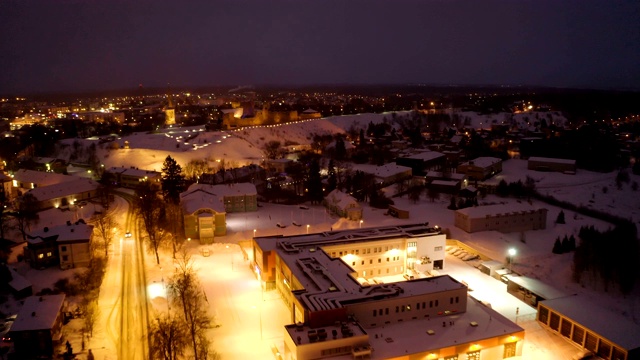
(404, 338)
(607, 324)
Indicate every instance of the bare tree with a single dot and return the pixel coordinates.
(105, 225)
(150, 208)
(91, 313)
(26, 214)
(169, 337)
(186, 293)
(195, 168)
(272, 149)
(172, 224)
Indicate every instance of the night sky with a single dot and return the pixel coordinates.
(77, 45)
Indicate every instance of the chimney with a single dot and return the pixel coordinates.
(46, 229)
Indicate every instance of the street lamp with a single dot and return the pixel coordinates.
(512, 253)
(361, 221)
(254, 232)
(308, 228)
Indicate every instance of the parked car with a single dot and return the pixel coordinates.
(127, 234)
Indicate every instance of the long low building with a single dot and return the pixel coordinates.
(566, 166)
(339, 308)
(591, 327)
(504, 218)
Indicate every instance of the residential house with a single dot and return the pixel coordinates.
(481, 168)
(65, 193)
(343, 205)
(68, 246)
(205, 208)
(38, 327)
(423, 162)
(132, 177)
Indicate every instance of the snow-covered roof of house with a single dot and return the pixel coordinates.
(68, 233)
(4, 177)
(614, 327)
(76, 186)
(453, 176)
(44, 160)
(40, 177)
(484, 161)
(134, 172)
(340, 199)
(309, 111)
(200, 198)
(382, 171)
(552, 160)
(493, 210)
(18, 282)
(445, 182)
(38, 313)
(426, 155)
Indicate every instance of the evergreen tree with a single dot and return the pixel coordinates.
(341, 150)
(572, 243)
(566, 247)
(452, 204)
(172, 180)
(560, 218)
(333, 180)
(314, 183)
(557, 246)
(503, 189)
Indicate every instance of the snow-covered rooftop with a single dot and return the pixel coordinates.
(552, 160)
(41, 178)
(614, 327)
(76, 186)
(492, 210)
(483, 161)
(38, 313)
(78, 231)
(426, 155)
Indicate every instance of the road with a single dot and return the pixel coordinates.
(123, 300)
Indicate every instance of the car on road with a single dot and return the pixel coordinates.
(304, 207)
(281, 226)
(127, 234)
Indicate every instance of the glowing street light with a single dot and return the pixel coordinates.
(254, 232)
(308, 228)
(361, 221)
(512, 253)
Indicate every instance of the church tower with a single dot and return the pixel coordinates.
(169, 112)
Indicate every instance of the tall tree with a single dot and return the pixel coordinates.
(272, 149)
(172, 180)
(314, 183)
(105, 225)
(150, 208)
(187, 294)
(168, 338)
(4, 214)
(172, 225)
(26, 213)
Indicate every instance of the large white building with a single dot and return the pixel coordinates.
(339, 307)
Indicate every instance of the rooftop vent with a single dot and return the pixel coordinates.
(431, 332)
(473, 323)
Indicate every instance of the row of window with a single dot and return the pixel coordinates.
(419, 305)
(372, 272)
(579, 335)
(377, 249)
(394, 258)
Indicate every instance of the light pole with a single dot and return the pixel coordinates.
(512, 253)
(361, 221)
(254, 232)
(308, 228)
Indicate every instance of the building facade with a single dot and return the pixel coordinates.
(502, 218)
(68, 246)
(334, 313)
(38, 327)
(481, 168)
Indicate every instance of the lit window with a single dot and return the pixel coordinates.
(49, 254)
(40, 256)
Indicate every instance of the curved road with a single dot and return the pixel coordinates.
(125, 284)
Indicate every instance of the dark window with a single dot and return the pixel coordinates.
(63, 248)
(565, 328)
(617, 354)
(375, 312)
(543, 315)
(591, 342)
(578, 335)
(555, 321)
(604, 349)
